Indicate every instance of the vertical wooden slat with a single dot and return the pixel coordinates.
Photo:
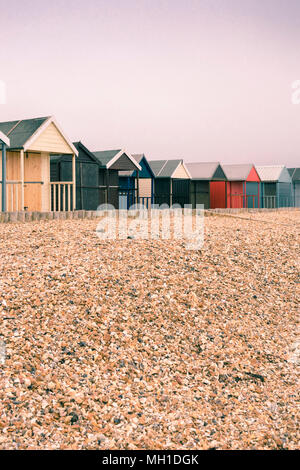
(64, 198)
(74, 181)
(22, 178)
(12, 197)
(54, 197)
(59, 196)
(69, 197)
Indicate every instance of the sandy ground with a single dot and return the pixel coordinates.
(142, 344)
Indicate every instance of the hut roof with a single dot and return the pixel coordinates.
(165, 168)
(272, 173)
(24, 131)
(205, 170)
(142, 161)
(107, 158)
(295, 173)
(20, 131)
(237, 172)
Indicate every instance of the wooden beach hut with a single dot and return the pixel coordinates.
(130, 180)
(242, 186)
(276, 186)
(295, 175)
(171, 183)
(28, 185)
(207, 184)
(112, 162)
(87, 176)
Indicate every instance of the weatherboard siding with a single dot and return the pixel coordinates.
(180, 172)
(52, 141)
(145, 187)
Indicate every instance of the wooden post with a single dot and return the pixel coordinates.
(107, 187)
(74, 180)
(171, 192)
(22, 178)
(137, 186)
(3, 177)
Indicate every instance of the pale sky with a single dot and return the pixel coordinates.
(202, 80)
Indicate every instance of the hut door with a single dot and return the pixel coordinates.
(32, 179)
(252, 194)
(236, 194)
(89, 190)
(200, 193)
(180, 192)
(217, 194)
(297, 193)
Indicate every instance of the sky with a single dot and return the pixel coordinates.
(203, 80)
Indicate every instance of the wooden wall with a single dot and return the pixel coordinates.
(13, 173)
(145, 187)
(36, 169)
(181, 173)
(51, 141)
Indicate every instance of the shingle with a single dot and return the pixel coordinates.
(20, 132)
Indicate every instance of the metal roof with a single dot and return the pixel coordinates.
(202, 170)
(164, 168)
(19, 132)
(237, 172)
(270, 172)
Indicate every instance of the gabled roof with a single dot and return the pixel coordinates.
(142, 161)
(4, 139)
(165, 168)
(79, 146)
(295, 173)
(237, 172)
(23, 132)
(107, 158)
(206, 171)
(272, 173)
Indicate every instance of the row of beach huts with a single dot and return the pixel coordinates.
(42, 170)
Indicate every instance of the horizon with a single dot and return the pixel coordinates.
(208, 82)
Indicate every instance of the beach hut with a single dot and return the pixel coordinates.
(207, 184)
(4, 143)
(111, 163)
(276, 186)
(295, 175)
(87, 176)
(242, 186)
(171, 182)
(27, 165)
(129, 180)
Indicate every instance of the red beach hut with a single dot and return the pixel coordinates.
(242, 186)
